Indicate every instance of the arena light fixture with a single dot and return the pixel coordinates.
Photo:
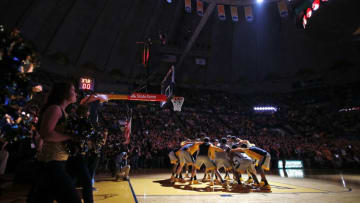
(308, 13)
(265, 108)
(259, 1)
(316, 5)
(350, 109)
(169, 1)
(304, 21)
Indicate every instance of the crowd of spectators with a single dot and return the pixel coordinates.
(319, 125)
(18, 61)
(318, 133)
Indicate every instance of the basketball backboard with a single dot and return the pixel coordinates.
(168, 85)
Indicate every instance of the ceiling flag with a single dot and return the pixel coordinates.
(221, 12)
(234, 14)
(188, 6)
(127, 132)
(200, 7)
(146, 55)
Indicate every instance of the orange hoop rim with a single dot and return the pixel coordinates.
(177, 98)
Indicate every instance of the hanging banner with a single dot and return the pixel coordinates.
(282, 8)
(248, 14)
(234, 13)
(200, 7)
(188, 6)
(221, 12)
(133, 97)
(147, 97)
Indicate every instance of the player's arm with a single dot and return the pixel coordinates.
(183, 143)
(238, 150)
(216, 149)
(249, 143)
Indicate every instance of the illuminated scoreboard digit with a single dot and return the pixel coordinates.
(86, 83)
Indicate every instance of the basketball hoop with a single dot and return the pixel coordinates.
(177, 103)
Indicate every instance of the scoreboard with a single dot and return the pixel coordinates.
(86, 83)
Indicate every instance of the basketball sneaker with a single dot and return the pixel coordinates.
(182, 180)
(256, 185)
(172, 179)
(266, 187)
(193, 182)
(211, 183)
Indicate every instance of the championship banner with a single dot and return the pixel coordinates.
(188, 6)
(234, 13)
(147, 97)
(199, 7)
(248, 13)
(282, 8)
(221, 12)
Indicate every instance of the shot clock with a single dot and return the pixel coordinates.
(86, 83)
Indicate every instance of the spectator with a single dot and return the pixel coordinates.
(122, 167)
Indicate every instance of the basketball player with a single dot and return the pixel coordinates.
(263, 162)
(185, 156)
(222, 160)
(240, 162)
(206, 153)
(175, 162)
(186, 166)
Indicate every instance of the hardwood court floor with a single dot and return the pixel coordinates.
(155, 187)
(150, 186)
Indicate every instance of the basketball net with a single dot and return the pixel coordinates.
(177, 103)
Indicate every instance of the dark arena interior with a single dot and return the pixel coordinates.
(112, 101)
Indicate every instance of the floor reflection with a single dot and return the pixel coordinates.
(292, 173)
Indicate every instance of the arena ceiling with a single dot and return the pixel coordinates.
(104, 38)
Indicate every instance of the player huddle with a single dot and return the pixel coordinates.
(236, 156)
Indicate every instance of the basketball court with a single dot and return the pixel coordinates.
(156, 187)
(289, 184)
